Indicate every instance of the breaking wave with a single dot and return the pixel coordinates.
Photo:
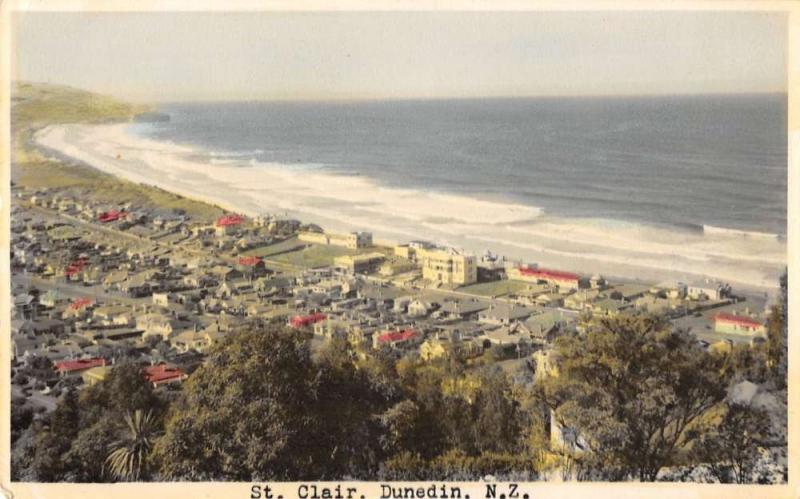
(239, 182)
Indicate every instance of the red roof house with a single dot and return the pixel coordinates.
(75, 267)
(111, 216)
(306, 320)
(552, 276)
(250, 260)
(396, 337)
(732, 323)
(229, 220)
(68, 367)
(162, 374)
(79, 303)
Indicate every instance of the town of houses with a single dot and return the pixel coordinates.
(93, 284)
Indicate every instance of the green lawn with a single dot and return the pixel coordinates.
(314, 256)
(494, 288)
(288, 245)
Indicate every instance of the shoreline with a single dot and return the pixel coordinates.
(621, 270)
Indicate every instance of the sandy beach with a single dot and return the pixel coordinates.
(350, 202)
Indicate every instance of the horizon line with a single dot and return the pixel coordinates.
(410, 98)
(346, 100)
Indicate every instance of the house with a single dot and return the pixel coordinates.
(39, 327)
(360, 264)
(161, 325)
(225, 273)
(550, 300)
(196, 279)
(306, 320)
(163, 374)
(502, 314)
(564, 280)
(352, 240)
(77, 309)
(50, 299)
(733, 323)
(463, 309)
(252, 267)
(74, 368)
(115, 279)
(672, 307)
(199, 341)
(272, 284)
(95, 375)
(228, 224)
(545, 326)
(24, 305)
(161, 299)
(458, 331)
(395, 339)
(335, 328)
(581, 299)
(708, 290)
(139, 285)
(118, 315)
(420, 308)
(609, 307)
(92, 276)
(628, 292)
(507, 335)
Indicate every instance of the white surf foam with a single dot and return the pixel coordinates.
(349, 202)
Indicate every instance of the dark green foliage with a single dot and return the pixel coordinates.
(129, 459)
(633, 389)
(777, 337)
(247, 413)
(731, 450)
(21, 417)
(73, 442)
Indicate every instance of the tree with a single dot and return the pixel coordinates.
(631, 390)
(247, 413)
(400, 422)
(125, 389)
(777, 336)
(732, 451)
(53, 441)
(88, 452)
(347, 410)
(76, 437)
(129, 459)
(496, 417)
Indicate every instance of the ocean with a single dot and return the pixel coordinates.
(650, 187)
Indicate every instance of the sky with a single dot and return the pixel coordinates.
(357, 55)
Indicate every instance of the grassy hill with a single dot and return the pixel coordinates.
(39, 103)
(36, 105)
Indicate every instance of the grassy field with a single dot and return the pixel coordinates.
(314, 256)
(494, 288)
(37, 105)
(291, 244)
(43, 104)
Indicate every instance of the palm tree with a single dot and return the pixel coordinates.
(128, 460)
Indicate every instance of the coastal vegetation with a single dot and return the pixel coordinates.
(631, 398)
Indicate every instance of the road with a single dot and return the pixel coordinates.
(115, 233)
(36, 398)
(70, 290)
